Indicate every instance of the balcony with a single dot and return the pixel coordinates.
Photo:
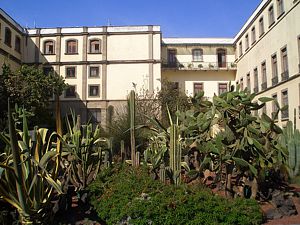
(274, 80)
(285, 76)
(255, 89)
(198, 65)
(264, 86)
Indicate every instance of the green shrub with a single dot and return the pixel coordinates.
(127, 194)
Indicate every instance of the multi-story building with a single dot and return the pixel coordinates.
(268, 56)
(199, 64)
(11, 41)
(102, 64)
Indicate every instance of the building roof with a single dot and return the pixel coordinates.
(180, 41)
(11, 20)
(251, 18)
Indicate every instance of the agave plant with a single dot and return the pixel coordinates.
(29, 174)
(85, 148)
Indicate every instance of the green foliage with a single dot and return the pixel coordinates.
(129, 194)
(30, 88)
(290, 139)
(28, 174)
(85, 147)
(174, 98)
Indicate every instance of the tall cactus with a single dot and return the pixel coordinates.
(292, 142)
(175, 154)
(132, 124)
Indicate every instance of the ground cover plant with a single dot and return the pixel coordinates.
(128, 194)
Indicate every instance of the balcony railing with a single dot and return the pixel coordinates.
(274, 80)
(199, 65)
(285, 75)
(255, 89)
(264, 86)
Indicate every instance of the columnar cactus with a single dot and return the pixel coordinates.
(175, 154)
(123, 154)
(132, 124)
(162, 173)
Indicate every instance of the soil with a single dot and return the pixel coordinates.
(286, 220)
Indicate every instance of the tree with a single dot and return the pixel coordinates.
(30, 88)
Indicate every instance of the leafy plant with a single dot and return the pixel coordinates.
(85, 148)
(29, 174)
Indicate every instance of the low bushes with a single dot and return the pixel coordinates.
(130, 195)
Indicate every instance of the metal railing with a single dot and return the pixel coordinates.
(274, 80)
(264, 86)
(199, 65)
(285, 75)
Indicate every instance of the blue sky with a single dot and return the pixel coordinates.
(185, 18)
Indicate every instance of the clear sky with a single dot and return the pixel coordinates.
(184, 18)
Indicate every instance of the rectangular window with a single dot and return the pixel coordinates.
(48, 70)
(198, 87)
(271, 16)
(261, 26)
(242, 84)
(18, 44)
(172, 59)
(274, 69)
(247, 41)
(264, 76)
(280, 7)
(94, 91)
(71, 91)
(274, 107)
(7, 37)
(71, 72)
(284, 64)
(198, 55)
(248, 82)
(94, 71)
(241, 48)
(255, 73)
(223, 87)
(95, 116)
(284, 102)
(253, 33)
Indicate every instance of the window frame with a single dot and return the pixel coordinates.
(283, 54)
(253, 35)
(240, 48)
(194, 57)
(282, 103)
(248, 81)
(261, 26)
(280, 10)
(75, 72)
(89, 90)
(271, 16)
(67, 48)
(18, 43)
(75, 89)
(7, 36)
(44, 47)
(90, 69)
(255, 77)
(194, 87)
(247, 42)
(219, 89)
(90, 46)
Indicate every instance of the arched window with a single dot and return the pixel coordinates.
(95, 46)
(71, 47)
(7, 38)
(49, 47)
(198, 55)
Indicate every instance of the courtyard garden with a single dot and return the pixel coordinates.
(164, 159)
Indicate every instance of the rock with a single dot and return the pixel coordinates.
(278, 199)
(272, 214)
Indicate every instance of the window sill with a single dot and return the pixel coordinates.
(48, 53)
(197, 61)
(271, 24)
(94, 77)
(262, 34)
(98, 96)
(94, 53)
(71, 53)
(280, 15)
(71, 77)
(284, 119)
